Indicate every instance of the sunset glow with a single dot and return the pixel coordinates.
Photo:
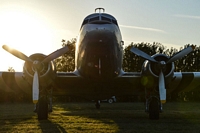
(39, 26)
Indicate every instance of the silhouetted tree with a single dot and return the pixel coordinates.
(190, 62)
(66, 63)
(10, 69)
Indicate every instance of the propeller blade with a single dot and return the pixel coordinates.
(56, 54)
(181, 54)
(162, 90)
(16, 53)
(142, 54)
(35, 87)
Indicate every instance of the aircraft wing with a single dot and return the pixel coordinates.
(185, 81)
(181, 82)
(14, 82)
(71, 84)
(67, 83)
(128, 83)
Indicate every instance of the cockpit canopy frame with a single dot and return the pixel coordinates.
(99, 18)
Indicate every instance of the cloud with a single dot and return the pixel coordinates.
(142, 28)
(187, 16)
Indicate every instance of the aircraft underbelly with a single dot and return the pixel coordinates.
(93, 89)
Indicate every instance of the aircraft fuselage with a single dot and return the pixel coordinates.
(99, 47)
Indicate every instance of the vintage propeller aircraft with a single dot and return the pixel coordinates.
(98, 70)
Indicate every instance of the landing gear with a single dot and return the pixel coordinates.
(154, 110)
(44, 105)
(97, 104)
(42, 108)
(153, 103)
(110, 100)
(50, 105)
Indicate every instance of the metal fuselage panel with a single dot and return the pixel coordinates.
(99, 51)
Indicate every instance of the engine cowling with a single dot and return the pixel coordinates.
(47, 71)
(151, 71)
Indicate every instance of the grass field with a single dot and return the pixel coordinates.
(117, 117)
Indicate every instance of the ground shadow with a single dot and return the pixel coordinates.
(117, 117)
(47, 127)
(130, 117)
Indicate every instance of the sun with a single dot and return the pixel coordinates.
(24, 31)
(20, 29)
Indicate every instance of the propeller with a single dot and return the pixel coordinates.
(16, 53)
(162, 90)
(162, 64)
(36, 65)
(35, 87)
(142, 54)
(56, 54)
(181, 54)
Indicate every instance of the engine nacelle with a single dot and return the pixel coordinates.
(151, 71)
(47, 72)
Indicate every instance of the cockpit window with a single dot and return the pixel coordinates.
(94, 19)
(115, 22)
(85, 21)
(105, 19)
(99, 18)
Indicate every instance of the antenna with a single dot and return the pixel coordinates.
(100, 9)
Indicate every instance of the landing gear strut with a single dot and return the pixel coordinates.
(97, 104)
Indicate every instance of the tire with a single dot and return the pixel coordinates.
(110, 100)
(154, 109)
(42, 109)
(97, 104)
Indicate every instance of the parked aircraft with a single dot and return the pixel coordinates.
(98, 70)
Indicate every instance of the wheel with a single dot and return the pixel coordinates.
(97, 104)
(154, 109)
(42, 108)
(110, 100)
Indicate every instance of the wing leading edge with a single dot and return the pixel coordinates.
(128, 83)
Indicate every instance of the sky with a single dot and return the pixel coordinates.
(38, 26)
